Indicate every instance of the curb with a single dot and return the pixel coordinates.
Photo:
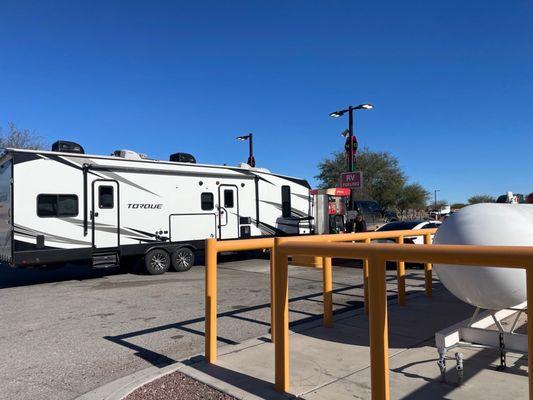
(120, 388)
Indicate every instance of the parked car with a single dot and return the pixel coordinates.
(404, 226)
(410, 225)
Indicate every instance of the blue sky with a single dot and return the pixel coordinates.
(451, 82)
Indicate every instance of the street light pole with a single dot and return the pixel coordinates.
(350, 138)
(251, 159)
(250, 139)
(350, 110)
(436, 190)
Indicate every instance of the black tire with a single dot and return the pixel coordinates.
(156, 262)
(182, 259)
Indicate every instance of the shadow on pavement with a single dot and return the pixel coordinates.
(161, 360)
(436, 388)
(15, 277)
(258, 387)
(401, 326)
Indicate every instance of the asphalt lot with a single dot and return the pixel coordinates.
(65, 332)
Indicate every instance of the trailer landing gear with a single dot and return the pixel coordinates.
(477, 333)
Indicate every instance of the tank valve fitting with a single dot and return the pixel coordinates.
(459, 368)
(442, 364)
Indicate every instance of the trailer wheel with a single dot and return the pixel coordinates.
(156, 262)
(182, 259)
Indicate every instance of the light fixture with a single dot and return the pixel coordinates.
(243, 137)
(336, 114)
(364, 107)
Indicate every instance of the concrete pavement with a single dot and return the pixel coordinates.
(333, 363)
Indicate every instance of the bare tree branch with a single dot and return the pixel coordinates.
(20, 138)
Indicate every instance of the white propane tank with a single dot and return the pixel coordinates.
(487, 224)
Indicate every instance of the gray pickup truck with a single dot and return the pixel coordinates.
(373, 214)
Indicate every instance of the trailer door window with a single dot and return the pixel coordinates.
(57, 205)
(286, 201)
(207, 200)
(105, 197)
(228, 198)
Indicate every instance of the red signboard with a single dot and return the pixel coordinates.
(352, 180)
(342, 192)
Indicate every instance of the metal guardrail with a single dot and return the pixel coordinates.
(377, 256)
(213, 247)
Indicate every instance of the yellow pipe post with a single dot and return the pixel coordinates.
(281, 316)
(377, 254)
(400, 271)
(529, 288)
(428, 270)
(211, 300)
(272, 295)
(360, 236)
(379, 336)
(365, 278)
(245, 244)
(328, 292)
(500, 256)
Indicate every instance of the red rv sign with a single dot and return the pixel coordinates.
(352, 180)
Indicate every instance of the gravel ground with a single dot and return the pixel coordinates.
(177, 386)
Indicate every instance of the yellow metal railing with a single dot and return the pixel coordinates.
(213, 247)
(377, 256)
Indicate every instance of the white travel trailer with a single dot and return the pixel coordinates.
(64, 206)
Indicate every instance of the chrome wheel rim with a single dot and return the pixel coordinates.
(183, 259)
(158, 262)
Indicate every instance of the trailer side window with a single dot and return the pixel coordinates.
(228, 198)
(57, 205)
(105, 197)
(207, 200)
(67, 205)
(47, 205)
(286, 201)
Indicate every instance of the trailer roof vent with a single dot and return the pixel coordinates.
(183, 157)
(63, 146)
(129, 155)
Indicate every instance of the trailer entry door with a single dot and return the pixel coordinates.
(228, 212)
(105, 214)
